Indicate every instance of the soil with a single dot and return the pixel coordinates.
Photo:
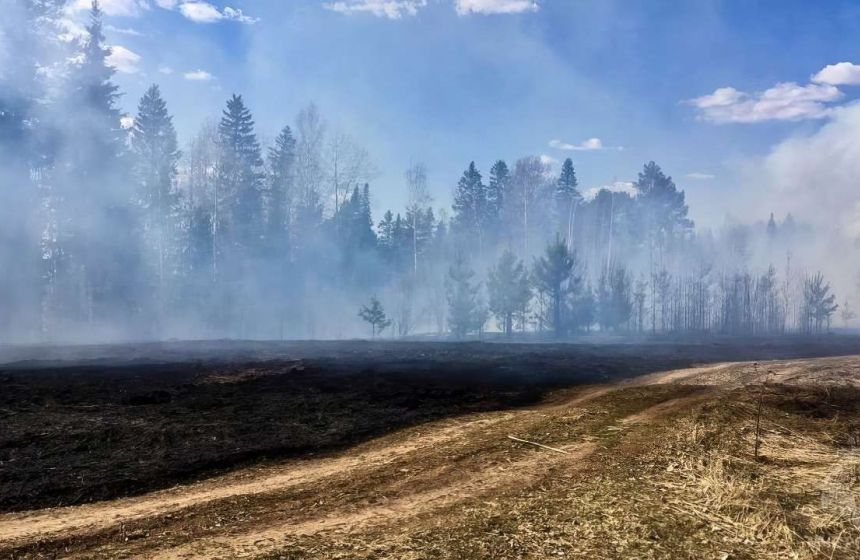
(401, 450)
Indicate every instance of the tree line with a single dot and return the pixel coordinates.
(115, 231)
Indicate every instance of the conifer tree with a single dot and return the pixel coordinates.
(364, 221)
(555, 275)
(26, 27)
(386, 235)
(662, 206)
(567, 197)
(156, 154)
(282, 158)
(819, 304)
(465, 313)
(240, 177)
(509, 290)
(497, 189)
(470, 206)
(615, 298)
(374, 314)
(97, 224)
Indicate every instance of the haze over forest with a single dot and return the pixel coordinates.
(148, 201)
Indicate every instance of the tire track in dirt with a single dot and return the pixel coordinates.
(18, 529)
(77, 520)
(516, 474)
(254, 543)
(21, 529)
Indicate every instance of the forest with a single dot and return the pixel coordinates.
(112, 230)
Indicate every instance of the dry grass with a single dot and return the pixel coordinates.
(652, 471)
(684, 485)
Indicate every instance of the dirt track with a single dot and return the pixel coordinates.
(379, 498)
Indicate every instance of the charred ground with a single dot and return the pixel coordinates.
(91, 423)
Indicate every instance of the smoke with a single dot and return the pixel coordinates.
(85, 257)
(816, 176)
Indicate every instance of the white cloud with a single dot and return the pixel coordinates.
(198, 76)
(495, 6)
(786, 101)
(391, 9)
(840, 74)
(616, 186)
(397, 9)
(123, 60)
(165, 70)
(236, 14)
(592, 144)
(199, 11)
(122, 8)
(699, 176)
(124, 31)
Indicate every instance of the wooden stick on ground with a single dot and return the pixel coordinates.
(538, 445)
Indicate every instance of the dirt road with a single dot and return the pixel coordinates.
(436, 490)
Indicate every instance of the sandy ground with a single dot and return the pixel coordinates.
(380, 498)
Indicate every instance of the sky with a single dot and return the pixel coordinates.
(743, 102)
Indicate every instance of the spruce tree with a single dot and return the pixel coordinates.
(497, 189)
(240, 177)
(98, 229)
(386, 235)
(566, 198)
(364, 221)
(470, 205)
(282, 157)
(155, 156)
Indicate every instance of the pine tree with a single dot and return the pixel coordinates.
(465, 313)
(819, 304)
(663, 207)
(615, 299)
(509, 290)
(556, 275)
(374, 314)
(156, 154)
(240, 177)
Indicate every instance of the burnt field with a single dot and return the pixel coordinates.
(90, 423)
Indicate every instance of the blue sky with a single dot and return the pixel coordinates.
(705, 88)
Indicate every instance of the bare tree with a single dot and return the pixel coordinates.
(419, 200)
(350, 165)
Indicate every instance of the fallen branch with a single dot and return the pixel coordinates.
(538, 445)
